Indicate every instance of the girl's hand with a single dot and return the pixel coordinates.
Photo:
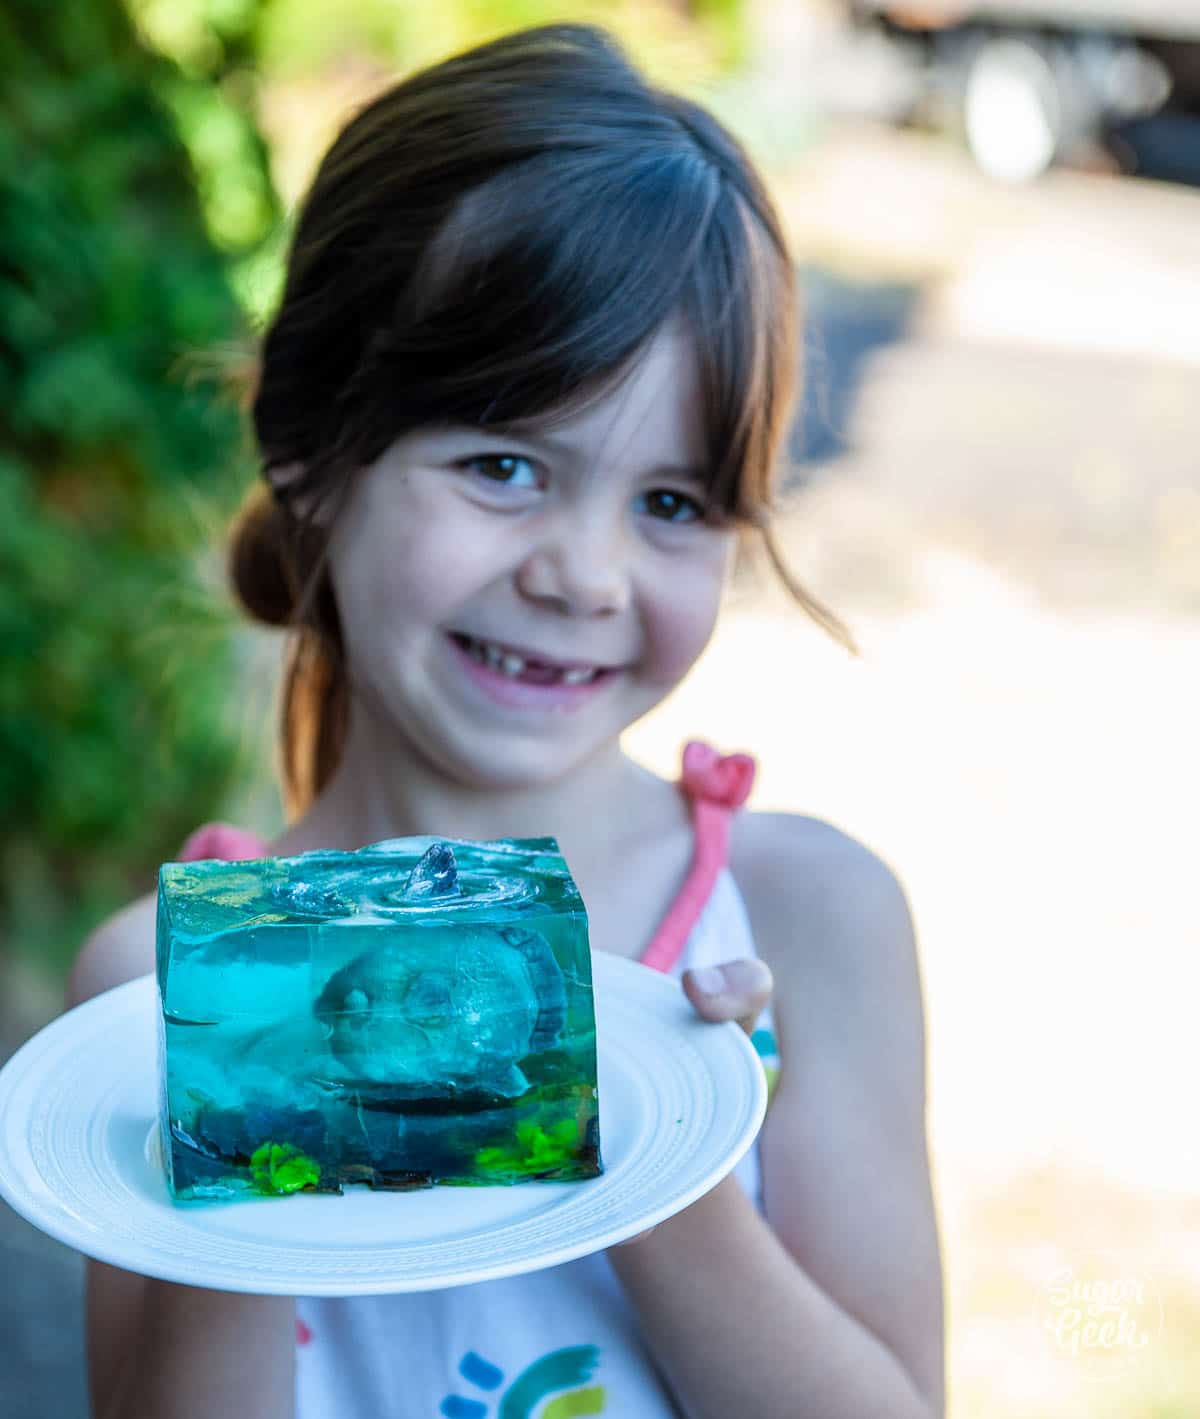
(735, 990)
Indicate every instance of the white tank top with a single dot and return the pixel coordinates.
(552, 1344)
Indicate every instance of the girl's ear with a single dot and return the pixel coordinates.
(282, 476)
(282, 479)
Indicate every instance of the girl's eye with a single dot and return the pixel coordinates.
(670, 506)
(510, 469)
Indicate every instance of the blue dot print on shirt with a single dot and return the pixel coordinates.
(478, 1370)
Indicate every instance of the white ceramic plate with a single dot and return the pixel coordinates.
(680, 1102)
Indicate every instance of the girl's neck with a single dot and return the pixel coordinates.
(384, 789)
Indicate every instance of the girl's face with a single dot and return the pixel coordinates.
(510, 603)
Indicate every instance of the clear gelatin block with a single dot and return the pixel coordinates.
(417, 1012)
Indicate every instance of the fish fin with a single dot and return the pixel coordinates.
(547, 978)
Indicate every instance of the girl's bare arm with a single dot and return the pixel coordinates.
(834, 1310)
(157, 1350)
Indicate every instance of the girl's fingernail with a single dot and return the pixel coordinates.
(710, 980)
(746, 976)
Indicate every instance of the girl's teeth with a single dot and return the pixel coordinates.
(514, 665)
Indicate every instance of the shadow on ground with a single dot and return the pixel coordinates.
(844, 324)
(41, 1332)
(41, 1300)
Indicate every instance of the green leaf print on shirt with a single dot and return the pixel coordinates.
(768, 1052)
(576, 1404)
(561, 1369)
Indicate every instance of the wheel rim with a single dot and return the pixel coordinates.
(1012, 112)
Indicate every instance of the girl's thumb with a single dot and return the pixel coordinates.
(735, 990)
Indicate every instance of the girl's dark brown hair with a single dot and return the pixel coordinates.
(494, 239)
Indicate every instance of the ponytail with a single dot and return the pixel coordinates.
(273, 583)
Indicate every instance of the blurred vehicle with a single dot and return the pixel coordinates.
(1030, 83)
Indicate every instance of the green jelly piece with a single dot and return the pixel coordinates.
(279, 1168)
(536, 1150)
(417, 1012)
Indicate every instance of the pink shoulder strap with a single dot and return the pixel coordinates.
(717, 785)
(223, 841)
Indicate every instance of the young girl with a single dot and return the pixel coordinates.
(525, 386)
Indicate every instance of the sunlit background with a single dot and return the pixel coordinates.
(993, 478)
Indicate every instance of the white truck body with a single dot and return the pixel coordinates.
(1152, 19)
(1030, 83)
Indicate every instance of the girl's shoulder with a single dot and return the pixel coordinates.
(119, 950)
(122, 948)
(814, 894)
(800, 853)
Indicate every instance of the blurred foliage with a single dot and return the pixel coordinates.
(300, 36)
(117, 463)
(306, 64)
(210, 83)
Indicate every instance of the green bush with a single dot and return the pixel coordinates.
(117, 464)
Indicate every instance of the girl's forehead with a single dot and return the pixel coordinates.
(648, 417)
(654, 407)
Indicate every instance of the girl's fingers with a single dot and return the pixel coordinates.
(736, 990)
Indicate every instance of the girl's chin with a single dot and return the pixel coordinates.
(499, 759)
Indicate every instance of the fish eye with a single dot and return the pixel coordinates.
(428, 995)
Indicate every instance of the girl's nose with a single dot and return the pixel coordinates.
(578, 571)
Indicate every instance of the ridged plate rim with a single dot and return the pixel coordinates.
(681, 1100)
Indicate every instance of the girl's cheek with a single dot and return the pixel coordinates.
(681, 628)
(393, 556)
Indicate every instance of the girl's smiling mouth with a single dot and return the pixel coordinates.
(515, 677)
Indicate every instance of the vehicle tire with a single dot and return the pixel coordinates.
(1016, 106)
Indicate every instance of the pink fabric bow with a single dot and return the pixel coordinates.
(724, 779)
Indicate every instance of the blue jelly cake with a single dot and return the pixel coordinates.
(416, 1012)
